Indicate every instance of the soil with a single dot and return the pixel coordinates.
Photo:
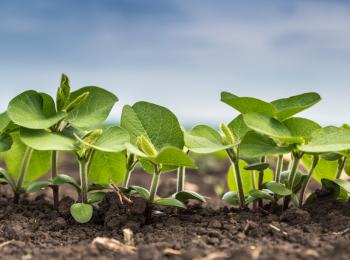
(33, 230)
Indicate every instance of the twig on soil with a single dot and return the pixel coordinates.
(212, 256)
(247, 227)
(113, 245)
(121, 195)
(341, 232)
(278, 229)
(171, 252)
(6, 243)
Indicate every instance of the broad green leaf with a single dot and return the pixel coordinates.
(33, 110)
(271, 127)
(173, 156)
(248, 178)
(287, 107)
(82, 213)
(37, 186)
(328, 139)
(332, 156)
(278, 188)
(96, 186)
(169, 202)
(238, 128)
(255, 145)
(148, 166)
(231, 198)
(43, 140)
(39, 164)
(94, 111)
(65, 179)
(142, 191)
(113, 139)
(324, 169)
(262, 194)
(5, 142)
(185, 196)
(203, 139)
(63, 93)
(96, 197)
(157, 123)
(340, 188)
(134, 150)
(302, 127)
(4, 121)
(247, 105)
(106, 168)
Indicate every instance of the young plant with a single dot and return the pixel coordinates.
(157, 141)
(80, 109)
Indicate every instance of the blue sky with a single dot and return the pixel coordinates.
(181, 53)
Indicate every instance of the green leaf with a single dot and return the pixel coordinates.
(247, 105)
(39, 163)
(257, 145)
(332, 156)
(288, 107)
(142, 191)
(5, 142)
(238, 128)
(257, 166)
(278, 188)
(295, 200)
(324, 169)
(301, 127)
(34, 110)
(203, 139)
(82, 213)
(340, 188)
(4, 121)
(37, 186)
(248, 178)
(271, 127)
(95, 186)
(63, 93)
(65, 179)
(157, 123)
(231, 198)
(77, 102)
(94, 111)
(185, 196)
(96, 197)
(328, 139)
(171, 202)
(113, 139)
(173, 156)
(44, 140)
(106, 168)
(262, 194)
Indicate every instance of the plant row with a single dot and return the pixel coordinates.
(36, 127)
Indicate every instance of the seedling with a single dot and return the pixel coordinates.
(157, 141)
(81, 109)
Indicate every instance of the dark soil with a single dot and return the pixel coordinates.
(33, 230)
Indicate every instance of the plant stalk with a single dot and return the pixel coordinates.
(279, 168)
(341, 165)
(126, 179)
(130, 166)
(307, 180)
(234, 157)
(260, 182)
(181, 174)
(24, 168)
(55, 188)
(154, 184)
(83, 168)
(294, 168)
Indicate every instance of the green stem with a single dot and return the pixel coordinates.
(55, 188)
(294, 168)
(83, 168)
(24, 168)
(234, 157)
(154, 184)
(130, 166)
(279, 168)
(341, 165)
(126, 179)
(307, 180)
(260, 182)
(181, 174)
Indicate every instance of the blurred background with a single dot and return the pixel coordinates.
(181, 53)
